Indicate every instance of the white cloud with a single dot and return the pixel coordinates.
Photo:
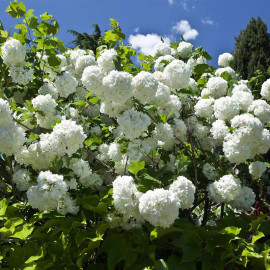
(184, 4)
(207, 21)
(145, 43)
(183, 27)
(136, 30)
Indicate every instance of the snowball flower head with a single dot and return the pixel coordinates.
(184, 49)
(217, 87)
(219, 131)
(125, 195)
(229, 70)
(106, 60)
(44, 103)
(82, 62)
(243, 98)
(162, 49)
(67, 137)
(13, 52)
(261, 109)
(21, 75)
(66, 85)
(225, 189)
(226, 108)
(204, 107)
(133, 123)
(48, 88)
(117, 86)
(22, 179)
(244, 200)
(184, 190)
(210, 172)
(159, 207)
(225, 59)
(144, 87)
(166, 58)
(257, 168)
(177, 74)
(92, 80)
(265, 90)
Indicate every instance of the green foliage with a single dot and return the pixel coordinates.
(30, 239)
(252, 49)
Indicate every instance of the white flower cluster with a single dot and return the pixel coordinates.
(86, 177)
(216, 87)
(248, 139)
(162, 49)
(160, 207)
(257, 168)
(117, 87)
(185, 49)
(244, 200)
(225, 59)
(12, 137)
(184, 191)
(144, 87)
(46, 104)
(210, 172)
(13, 52)
(265, 91)
(177, 74)
(22, 179)
(225, 189)
(133, 123)
(51, 193)
(65, 85)
(106, 60)
(21, 75)
(110, 152)
(225, 108)
(66, 138)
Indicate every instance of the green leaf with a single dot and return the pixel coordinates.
(23, 232)
(113, 23)
(54, 61)
(256, 236)
(190, 243)
(36, 257)
(118, 249)
(12, 223)
(147, 182)
(15, 9)
(231, 230)
(93, 139)
(136, 166)
(159, 232)
(161, 265)
(45, 16)
(4, 204)
(79, 103)
(201, 68)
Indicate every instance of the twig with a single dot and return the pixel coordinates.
(206, 212)
(222, 211)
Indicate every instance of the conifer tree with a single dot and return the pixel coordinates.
(252, 49)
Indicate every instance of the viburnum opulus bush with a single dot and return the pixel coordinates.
(106, 164)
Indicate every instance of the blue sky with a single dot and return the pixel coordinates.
(208, 23)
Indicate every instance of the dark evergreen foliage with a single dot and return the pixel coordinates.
(252, 49)
(87, 41)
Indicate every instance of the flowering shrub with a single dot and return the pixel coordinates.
(106, 164)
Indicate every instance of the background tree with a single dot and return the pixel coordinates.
(252, 49)
(85, 40)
